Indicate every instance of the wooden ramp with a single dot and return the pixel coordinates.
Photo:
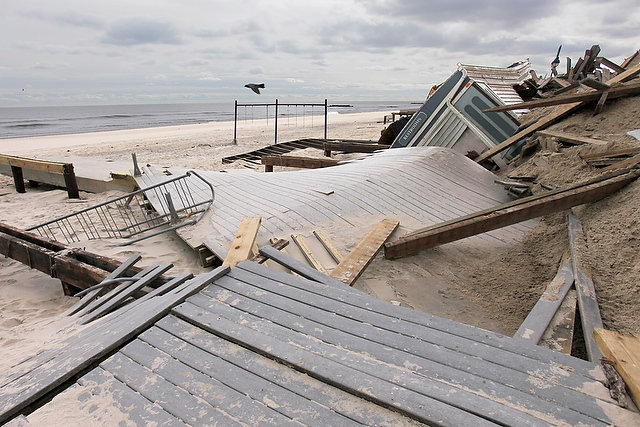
(418, 186)
(255, 346)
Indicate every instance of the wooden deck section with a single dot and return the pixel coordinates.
(259, 346)
(417, 186)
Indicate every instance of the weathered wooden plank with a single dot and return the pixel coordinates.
(610, 64)
(614, 92)
(311, 359)
(308, 253)
(328, 245)
(587, 301)
(296, 162)
(542, 123)
(505, 214)
(243, 242)
(559, 333)
(297, 266)
(349, 147)
(114, 301)
(205, 386)
(118, 272)
(182, 404)
(355, 263)
(34, 164)
(571, 138)
(624, 352)
(411, 323)
(91, 345)
(105, 387)
(538, 319)
(317, 396)
(429, 359)
(623, 164)
(610, 153)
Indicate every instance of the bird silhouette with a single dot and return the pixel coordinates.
(255, 87)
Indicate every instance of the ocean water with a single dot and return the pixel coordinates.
(36, 121)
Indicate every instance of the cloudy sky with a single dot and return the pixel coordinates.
(76, 52)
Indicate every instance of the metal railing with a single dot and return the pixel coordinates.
(171, 203)
(276, 105)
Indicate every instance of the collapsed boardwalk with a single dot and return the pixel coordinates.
(251, 345)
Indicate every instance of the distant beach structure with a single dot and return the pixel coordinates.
(255, 87)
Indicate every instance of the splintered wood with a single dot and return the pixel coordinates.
(242, 244)
(354, 264)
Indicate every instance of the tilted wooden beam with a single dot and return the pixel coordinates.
(614, 92)
(243, 241)
(296, 162)
(610, 64)
(570, 138)
(355, 263)
(587, 301)
(506, 214)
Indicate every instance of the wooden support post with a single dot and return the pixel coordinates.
(601, 101)
(624, 352)
(70, 181)
(307, 253)
(355, 263)
(506, 214)
(243, 241)
(18, 179)
(268, 168)
(587, 301)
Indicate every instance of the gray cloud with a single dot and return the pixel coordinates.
(140, 31)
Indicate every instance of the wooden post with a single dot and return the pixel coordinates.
(18, 179)
(70, 181)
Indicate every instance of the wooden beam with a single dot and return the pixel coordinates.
(506, 214)
(630, 59)
(308, 253)
(355, 263)
(610, 153)
(279, 244)
(626, 163)
(540, 316)
(614, 92)
(601, 101)
(33, 164)
(243, 241)
(587, 301)
(542, 123)
(326, 242)
(297, 267)
(296, 162)
(609, 64)
(350, 147)
(625, 76)
(570, 138)
(559, 333)
(595, 84)
(624, 352)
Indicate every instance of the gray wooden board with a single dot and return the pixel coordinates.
(538, 319)
(317, 399)
(587, 301)
(98, 302)
(417, 320)
(238, 405)
(88, 298)
(116, 300)
(513, 371)
(490, 379)
(140, 411)
(415, 405)
(89, 346)
(174, 400)
(297, 266)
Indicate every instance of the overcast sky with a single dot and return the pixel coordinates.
(74, 52)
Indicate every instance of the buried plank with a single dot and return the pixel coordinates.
(538, 319)
(307, 253)
(571, 138)
(624, 352)
(296, 162)
(626, 163)
(559, 333)
(587, 302)
(330, 247)
(507, 214)
(297, 267)
(243, 241)
(354, 264)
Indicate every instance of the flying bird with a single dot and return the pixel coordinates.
(255, 87)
